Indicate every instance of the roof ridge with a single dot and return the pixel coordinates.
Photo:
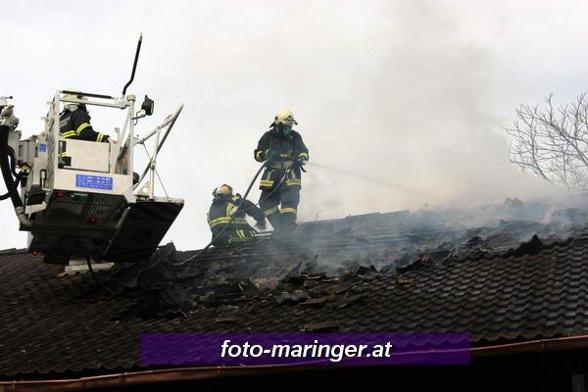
(12, 251)
(518, 252)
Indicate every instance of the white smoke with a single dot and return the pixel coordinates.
(409, 92)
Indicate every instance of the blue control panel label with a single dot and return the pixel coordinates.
(93, 182)
(42, 147)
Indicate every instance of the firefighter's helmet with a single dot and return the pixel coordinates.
(223, 191)
(285, 116)
(72, 95)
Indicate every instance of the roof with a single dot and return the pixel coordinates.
(57, 324)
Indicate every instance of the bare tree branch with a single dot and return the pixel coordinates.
(552, 142)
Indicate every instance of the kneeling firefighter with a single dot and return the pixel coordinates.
(285, 153)
(226, 217)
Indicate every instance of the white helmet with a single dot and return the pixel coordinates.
(223, 191)
(71, 95)
(285, 116)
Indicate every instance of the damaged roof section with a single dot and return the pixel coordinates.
(365, 245)
(393, 274)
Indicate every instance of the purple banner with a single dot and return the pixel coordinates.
(237, 349)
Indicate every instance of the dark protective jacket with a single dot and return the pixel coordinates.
(288, 149)
(76, 125)
(221, 212)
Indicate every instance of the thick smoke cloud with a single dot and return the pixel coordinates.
(419, 114)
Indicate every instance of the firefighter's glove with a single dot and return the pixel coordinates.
(300, 163)
(260, 225)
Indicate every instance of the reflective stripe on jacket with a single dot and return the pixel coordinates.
(288, 148)
(76, 125)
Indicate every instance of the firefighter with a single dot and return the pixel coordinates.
(285, 153)
(226, 217)
(74, 122)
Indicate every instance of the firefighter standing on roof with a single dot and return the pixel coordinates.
(285, 153)
(74, 122)
(226, 217)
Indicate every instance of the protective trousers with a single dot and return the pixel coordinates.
(280, 206)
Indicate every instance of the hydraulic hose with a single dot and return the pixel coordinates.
(7, 194)
(17, 176)
(5, 167)
(12, 161)
(9, 181)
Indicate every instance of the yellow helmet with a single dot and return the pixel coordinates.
(285, 116)
(223, 191)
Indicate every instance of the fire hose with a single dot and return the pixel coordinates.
(222, 232)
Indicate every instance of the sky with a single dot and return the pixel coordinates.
(412, 96)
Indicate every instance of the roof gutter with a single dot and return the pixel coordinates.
(145, 377)
(538, 345)
(200, 373)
